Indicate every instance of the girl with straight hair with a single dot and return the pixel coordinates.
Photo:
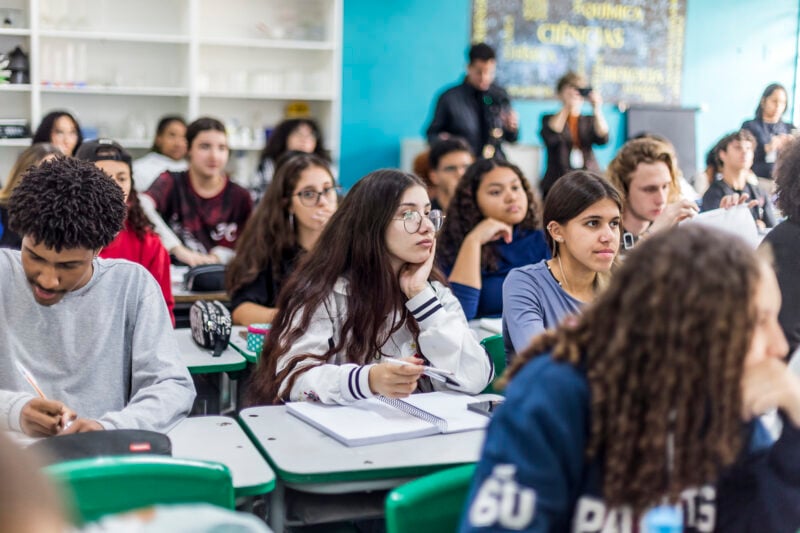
(582, 221)
(60, 128)
(492, 226)
(651, 398)
(168, 152)
(286, 224)
(32, 156)
(369, 292)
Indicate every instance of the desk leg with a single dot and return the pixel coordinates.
(277, 507)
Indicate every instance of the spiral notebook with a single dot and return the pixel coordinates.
(383, 419)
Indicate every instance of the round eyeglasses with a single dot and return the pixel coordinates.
(412, 220)
(311, 198)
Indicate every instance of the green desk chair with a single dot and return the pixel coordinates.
(429, 504)
(496, 350)
(107, 485)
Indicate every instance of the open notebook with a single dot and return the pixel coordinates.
(383, 419)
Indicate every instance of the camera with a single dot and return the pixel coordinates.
(584, 91)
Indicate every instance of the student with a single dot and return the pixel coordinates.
(735, 157)
(448, 160)
(582, 221)
(645, 173)
(784, 240)
(291, 135)
(168, 152)
(492, 227)
(477, 109)
(32, 156)
(568, 135)
(369, 292)
(770, 132)
(286, 224)
(60, 129)
(136, 242)
(93, 332)
(651, 395)
(202, 205)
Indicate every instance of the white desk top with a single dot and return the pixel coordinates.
(221, 439)
(200, 361)
(307, 459)
(240, 344)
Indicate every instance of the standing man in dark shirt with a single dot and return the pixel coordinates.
(476, 109)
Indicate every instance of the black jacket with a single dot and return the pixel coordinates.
(467, 112)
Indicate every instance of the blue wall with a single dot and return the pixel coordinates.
(399, 54)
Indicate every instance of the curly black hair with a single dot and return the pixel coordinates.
(67, 203)
(463, 214)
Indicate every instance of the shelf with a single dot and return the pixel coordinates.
(15, 87)
(121, 37)
(281, 44)
(294, 95)
(18, 32)
(118, 91)
(15, 142)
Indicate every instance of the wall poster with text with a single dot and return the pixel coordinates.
(630, 50)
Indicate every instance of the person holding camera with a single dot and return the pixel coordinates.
(568, 135)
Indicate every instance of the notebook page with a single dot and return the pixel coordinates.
(452, 406)
(363, 422)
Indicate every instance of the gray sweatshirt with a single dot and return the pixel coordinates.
(106, 350)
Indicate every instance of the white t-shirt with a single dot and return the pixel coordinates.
(146, 169)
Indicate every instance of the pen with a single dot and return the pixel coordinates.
(427, 370)
(30, 379)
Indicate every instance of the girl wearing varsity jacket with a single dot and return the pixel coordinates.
(651, 399)
(368, 293)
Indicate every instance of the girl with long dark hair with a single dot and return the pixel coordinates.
(492, 226)
(61, 129)
(286, 224)
(651, 397)
(369, 292)
(582, 227)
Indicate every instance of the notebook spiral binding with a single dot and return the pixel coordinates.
(413, 410)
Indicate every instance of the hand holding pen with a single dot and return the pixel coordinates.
(41, 417)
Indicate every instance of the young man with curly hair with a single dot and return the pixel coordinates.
(95, 334)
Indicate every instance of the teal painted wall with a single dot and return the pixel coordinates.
(398, 55)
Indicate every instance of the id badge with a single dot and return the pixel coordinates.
(576, 158)
(771, 157)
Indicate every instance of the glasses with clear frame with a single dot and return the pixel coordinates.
(412, 220)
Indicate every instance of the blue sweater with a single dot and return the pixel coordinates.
(533, 301)
(526, 247)
(533, 475)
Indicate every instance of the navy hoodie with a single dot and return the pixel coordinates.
(533, 475)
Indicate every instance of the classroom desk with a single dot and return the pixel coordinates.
(221, 439)
(200, 361)
(307, 460)
(239, 343)
(182, 296)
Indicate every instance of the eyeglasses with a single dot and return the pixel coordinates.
(412, 220)
(311, 198)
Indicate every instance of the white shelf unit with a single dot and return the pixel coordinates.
(120, 66)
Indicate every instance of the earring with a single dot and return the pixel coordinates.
(291, 221)
(559, 239)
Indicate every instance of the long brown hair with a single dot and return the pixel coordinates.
(31, 156)
(269, 234)
(663, 349)
(353, 246)
(463, 213)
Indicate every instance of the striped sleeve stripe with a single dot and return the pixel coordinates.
(423, 306)
(429, 313)
(357, 379)
(350, 383)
